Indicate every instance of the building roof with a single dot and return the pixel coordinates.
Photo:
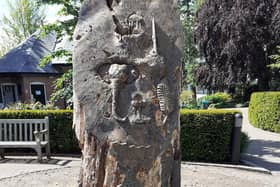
(25, 58)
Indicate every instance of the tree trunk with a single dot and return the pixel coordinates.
(193, 89)
(127, 82)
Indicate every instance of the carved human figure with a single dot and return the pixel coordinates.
(127, 76)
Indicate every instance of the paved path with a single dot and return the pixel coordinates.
(64, 172)
(263, 148)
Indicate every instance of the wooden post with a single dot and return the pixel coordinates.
(127, 81)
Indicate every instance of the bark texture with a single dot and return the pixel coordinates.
(127, 81)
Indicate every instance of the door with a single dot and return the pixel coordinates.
(9, 94)
(38, 93)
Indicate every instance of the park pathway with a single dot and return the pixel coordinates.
(263, 148)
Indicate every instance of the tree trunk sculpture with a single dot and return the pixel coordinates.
(127, 81)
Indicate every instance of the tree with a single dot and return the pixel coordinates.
(188, 10)
(236, 39)
(65, 27)
(5, 44)
(24, 18)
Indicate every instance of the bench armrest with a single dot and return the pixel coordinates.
(41, 132)
(39, 135)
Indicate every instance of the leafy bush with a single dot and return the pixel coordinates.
(32, 106)
(218, 97)
(264, 110)
(206, 135)
(62, 136)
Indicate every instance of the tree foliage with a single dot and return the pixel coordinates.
(236, 39)
(188, 9)
(5, 44)
(64, 89)
(70, 11)
(24, 18)
(276, 59)
(63, 27)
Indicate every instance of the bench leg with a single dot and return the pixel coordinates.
(48, 151)
(2, 153)
(39, 154)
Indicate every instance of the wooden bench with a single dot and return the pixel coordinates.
(25, 133)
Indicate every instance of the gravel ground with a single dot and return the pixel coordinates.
(63, 177)
(192, 176)
(202, 176)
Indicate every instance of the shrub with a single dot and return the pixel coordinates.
(32, 106)
(218, 97)
(62, 136)
(206, 135)
(264, 110)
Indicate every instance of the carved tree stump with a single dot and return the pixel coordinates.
(127, 78)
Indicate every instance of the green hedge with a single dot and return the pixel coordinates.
(62, 136)
(264, 110)
(206, 135)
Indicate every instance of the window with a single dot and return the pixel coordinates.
(9, 91)
(38, 92)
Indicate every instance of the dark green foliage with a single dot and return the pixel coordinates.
(62, 135)
(64, 89)
(237, 38)
(206, 135)
(264, 111)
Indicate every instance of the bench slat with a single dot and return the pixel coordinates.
(22, 120)
(20, 144)
(1, 131)
(5, 131)
(25, 131)
(10, 132)
(15, 132)
(20, 132)
(41, 128)
(30, 132)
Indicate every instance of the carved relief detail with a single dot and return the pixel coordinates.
(117, 76)
(138, 105)
(133, 26)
